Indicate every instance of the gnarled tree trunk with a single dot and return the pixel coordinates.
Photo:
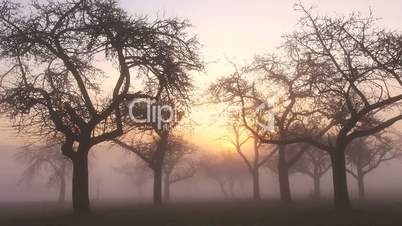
(360, 185)
(223, 188)
(283, 174)
(317, 187)
(256, 185)
(157, 166)
(166, 188)
(157, 189)
(317, 182)
(62, 189)
(80, 183)
(341, 195)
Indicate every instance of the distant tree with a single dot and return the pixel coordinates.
(138, 173)
(151, 144)
(241, 137)
(366, 154)
(48, 161)
(164, 155)
(160, 123)
(53, 85)
(97, 184)
(178, 164)
(314, 163)
(226, 169)
(152, 150)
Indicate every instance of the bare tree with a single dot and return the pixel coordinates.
(153, 153)
(165, 154)
(257, 160)
(347, 66)
(48, 160)
(151, 143)
(237, 90)
(350, 64)
(366, 154)
(54, 87)
(152, 138)
(226, 170)
(314, 163)
(137, 172)
(178, 165)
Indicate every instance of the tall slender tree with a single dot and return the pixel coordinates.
(178, 165)
(258, 158)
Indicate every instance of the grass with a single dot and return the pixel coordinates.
(205, 214)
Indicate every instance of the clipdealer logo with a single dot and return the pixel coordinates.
(265, 108)
(161, 115)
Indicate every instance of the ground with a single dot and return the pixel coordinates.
(204, 214)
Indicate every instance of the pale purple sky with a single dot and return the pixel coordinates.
(243, 28)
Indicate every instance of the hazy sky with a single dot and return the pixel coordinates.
(240, 29)
(243, 28)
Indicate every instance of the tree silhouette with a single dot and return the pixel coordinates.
(366, 154)
(314, 163)
(350, 64)
(347, 66)
(151, 142)
(151, 150)
(54, 87)
(50, 160)
(165, 154)
(239, 89)
(137, 172)
(257, 160)
(177, 165)
(152, 138)
(226, 170)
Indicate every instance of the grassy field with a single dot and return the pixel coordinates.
(206, 213)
